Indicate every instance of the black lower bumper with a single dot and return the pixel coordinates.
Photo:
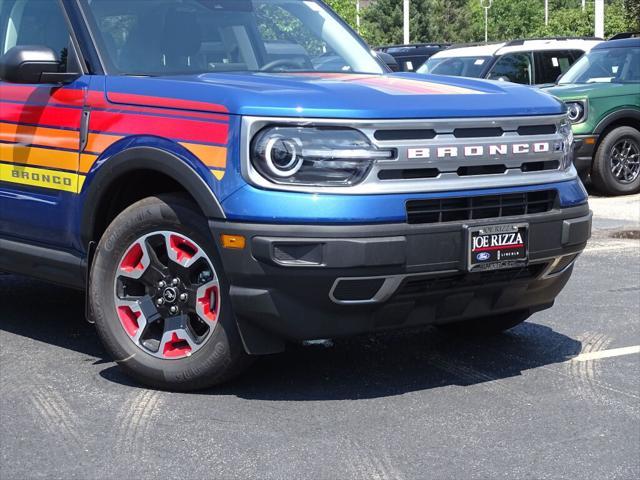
(301, 282)
(584, 148)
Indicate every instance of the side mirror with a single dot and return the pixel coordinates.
(33, 64)
(389, 61)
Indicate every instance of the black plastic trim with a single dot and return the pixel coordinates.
(614, 116)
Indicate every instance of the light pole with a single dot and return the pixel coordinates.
(546, 12)
(599, 23)
(486, 4)
(358, 15)
(405, 15)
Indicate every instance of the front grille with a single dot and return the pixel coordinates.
(481, 207)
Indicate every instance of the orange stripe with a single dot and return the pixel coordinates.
(99, 143)
(47, 137)
(42, 157)
(86, 162)
(210, 155)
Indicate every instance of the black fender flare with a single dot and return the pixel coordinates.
(614, 116)
(145, 158)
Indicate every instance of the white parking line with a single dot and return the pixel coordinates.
(614, 352)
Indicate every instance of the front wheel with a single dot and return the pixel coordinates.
(159, 297)
(489, 325)
(616, 165)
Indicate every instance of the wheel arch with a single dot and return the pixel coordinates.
(629, 117)
(135, 164)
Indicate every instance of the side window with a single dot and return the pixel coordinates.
(34, 22)
(513, 67)
(551, 64)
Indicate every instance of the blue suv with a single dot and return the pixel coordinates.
(223, 177)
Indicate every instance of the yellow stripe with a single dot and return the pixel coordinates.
(41, 157)
(219, 174)
(39, 177)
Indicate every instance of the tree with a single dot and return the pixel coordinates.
(458, 21)
(346, 9)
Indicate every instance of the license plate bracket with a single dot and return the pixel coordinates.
(496, 247)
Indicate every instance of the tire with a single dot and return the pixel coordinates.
(193, 347)
(615, 172)
(487, 325)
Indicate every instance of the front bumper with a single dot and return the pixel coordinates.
(301, 282)
(584, 148)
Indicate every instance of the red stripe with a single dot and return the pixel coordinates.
(164, 102)
(179, 129)
(498, 247)
(97, 99)
(39, 115)
(42, 95)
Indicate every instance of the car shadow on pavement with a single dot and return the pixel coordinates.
(368, 366)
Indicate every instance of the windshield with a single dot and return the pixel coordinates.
(173, 37)
(612, 65)
(456, 66)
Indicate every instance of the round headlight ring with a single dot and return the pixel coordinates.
(282, 156)
(575, 112)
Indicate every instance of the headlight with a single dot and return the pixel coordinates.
(322, 156)
(576, 111)
(567, 144)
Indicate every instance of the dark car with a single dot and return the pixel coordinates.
(411, 57)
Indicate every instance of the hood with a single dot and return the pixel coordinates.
(339, 95)
(591, 90)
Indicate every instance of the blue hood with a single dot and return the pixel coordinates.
(345, 95)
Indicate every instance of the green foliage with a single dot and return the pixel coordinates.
(459, 21)
(346, 9)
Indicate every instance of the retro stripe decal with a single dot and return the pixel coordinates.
(40, 115)
(42, 136)
(40, 177)
(36, 156)
(394, 85)
(141, 124)
(39, 134)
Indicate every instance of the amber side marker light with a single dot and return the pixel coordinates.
(590, 141)
(234, 242)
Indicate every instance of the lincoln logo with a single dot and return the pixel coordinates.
(479, 150)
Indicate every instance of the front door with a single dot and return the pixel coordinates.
(39, 131)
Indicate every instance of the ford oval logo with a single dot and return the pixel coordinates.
(483, 256)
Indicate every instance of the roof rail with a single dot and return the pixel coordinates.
(473, 44)
(522, 41)
(414, 45)
(620, 36)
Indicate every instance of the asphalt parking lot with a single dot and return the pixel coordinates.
(557, 397)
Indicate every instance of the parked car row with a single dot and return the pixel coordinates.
(599, 81)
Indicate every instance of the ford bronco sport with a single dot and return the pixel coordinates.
(602, 92)
(219, 189)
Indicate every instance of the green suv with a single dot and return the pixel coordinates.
(602, 92)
